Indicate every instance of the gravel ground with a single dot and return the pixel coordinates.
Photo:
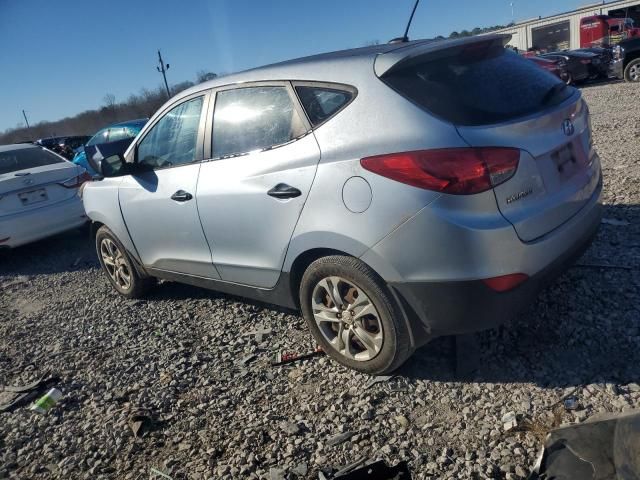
(219, 410)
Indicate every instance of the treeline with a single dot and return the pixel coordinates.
(141, 105)
(476, 31)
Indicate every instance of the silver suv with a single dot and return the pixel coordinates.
(393, 193)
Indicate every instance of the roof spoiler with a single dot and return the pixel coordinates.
(417, 52)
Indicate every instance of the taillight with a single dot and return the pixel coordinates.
(75, 182)
(458, 171)
(505, 282)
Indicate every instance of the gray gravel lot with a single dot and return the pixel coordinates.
(219, 410)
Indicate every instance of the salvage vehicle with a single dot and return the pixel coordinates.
(112, 139)
(393, 193)
(626, 60)
(38, 194)
(556, 67)
(580, 65)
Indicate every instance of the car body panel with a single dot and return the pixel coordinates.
(539, 197)
(102, 206)
(166, 233)
(248, 230)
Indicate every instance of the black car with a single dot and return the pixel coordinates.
(626, 60)
(66, 146)
(603, 57)
(580, 65)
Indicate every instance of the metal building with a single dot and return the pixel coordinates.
(562, 31)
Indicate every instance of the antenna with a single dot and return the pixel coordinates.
(405, 37)
(406, 31)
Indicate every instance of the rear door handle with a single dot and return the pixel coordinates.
(181, 196)
(283, 191)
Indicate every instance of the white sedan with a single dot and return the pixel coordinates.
(38, 194)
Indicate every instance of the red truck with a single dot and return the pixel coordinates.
(604, 31)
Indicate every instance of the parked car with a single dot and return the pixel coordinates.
(556, 67)
(112, 139)
(69, 146)
(394, 193)
(38, 194)
(603, 56)
(626, 60)
(580, 65)
(48, 142)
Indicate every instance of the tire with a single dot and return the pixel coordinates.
(119, 267)
(632, 71)
(568, 79)
(369, 315)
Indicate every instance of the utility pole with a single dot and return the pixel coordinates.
(163, 70)
(513, 18)
(25, 118)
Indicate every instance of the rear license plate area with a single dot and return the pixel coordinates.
(570, 159)
(33, 196)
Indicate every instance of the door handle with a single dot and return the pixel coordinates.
(283, 191)
(181, 196)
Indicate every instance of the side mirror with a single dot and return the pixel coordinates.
(113, 166)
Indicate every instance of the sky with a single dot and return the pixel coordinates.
(59, 58)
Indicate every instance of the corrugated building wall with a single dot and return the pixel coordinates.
(525, 33)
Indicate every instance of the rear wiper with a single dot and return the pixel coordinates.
(553, 91)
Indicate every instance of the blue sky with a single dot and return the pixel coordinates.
(61, 57)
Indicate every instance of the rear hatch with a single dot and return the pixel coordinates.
(33, 177)
(496, 98)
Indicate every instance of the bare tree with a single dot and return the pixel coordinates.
(109, 100)
(203, 76)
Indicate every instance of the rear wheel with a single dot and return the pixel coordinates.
(118, 266)
(632, 71)
(352, 315)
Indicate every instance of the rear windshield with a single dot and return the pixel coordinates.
(23, 159)
(480, 87)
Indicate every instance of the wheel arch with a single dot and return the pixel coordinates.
(418, 334)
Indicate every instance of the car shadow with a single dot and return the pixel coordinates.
(66, 252)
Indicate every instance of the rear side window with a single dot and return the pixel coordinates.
(101, 137)
(322, 103)
(253, 119)
(23, 159)
(480, 86)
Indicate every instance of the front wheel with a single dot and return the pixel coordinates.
(118, 266)
(632, 71)
(353, 316)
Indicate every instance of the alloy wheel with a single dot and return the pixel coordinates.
(115, 264)
(347, 318)
(634, 73)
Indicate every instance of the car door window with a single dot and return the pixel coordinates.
(253, 118)
(322, 103)
(173, 139)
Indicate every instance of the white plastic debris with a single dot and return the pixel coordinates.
(509, 421)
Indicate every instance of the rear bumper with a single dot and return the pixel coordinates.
(456, 307)
(616, 69)
(34, 225)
